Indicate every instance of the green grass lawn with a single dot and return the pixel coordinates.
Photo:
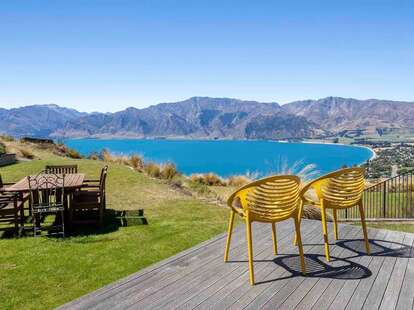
(406, 227)
(46, 272)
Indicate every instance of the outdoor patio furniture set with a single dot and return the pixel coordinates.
(59, 191)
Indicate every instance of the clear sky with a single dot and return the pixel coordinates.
(107, 55)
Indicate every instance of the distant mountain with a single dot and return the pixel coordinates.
(211, 118)
(197, 117)
(35, 120)
(337, 114)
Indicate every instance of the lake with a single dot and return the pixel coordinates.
(230, 157)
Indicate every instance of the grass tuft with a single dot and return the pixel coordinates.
(152, 169)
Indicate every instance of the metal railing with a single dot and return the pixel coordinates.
(389, 200)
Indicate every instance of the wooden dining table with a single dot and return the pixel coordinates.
(72, 182)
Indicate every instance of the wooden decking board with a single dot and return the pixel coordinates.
(198, 277)
(240, 288)
(379, 286)
(301, 291)
(245, 295)
(112, 289)
(390, 297)
(191, 274)
(139, 287)
(281, 297)
(362, 290)
(406, 294)
(333, 290)
(344, 295)
(216, 270)
(319, 288)
(223, 288)
(275, 286)
(221, 271)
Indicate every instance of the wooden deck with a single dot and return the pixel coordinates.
(199, 279)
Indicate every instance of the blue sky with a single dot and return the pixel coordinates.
(107, 55)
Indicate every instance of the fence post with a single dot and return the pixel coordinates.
(384, 197)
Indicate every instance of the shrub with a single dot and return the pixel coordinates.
(106, 156)
(169, 171)
(198, 187)
(94, 156)
(136, 162)
(152, 169)
(238, 180)
(209, 179)
(73, 154)
(2, 148)
(26, 153)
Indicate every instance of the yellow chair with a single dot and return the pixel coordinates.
(337, 190)
(269, 200)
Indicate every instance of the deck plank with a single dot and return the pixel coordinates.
(199, 279)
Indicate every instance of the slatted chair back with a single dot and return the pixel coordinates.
(47, 193)
(61, 169)
(102, 179)
(47, 190)
(102, 186)
(271, 199)
(340, 189)
(9, 211)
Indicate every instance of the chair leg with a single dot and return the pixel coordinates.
(229, 232)
(274, 238)
(301, 206)
(250, 249)
(335, 224)
(364, 227)
(325, 233)
(299, 240)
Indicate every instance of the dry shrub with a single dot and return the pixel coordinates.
(168, 171)
(152, 169)
(93, 156)
(136, 162)
(209, 179)
(26, 153)
(74, 154)
(106, 156)
(121, 160)
(238, 180)
(2, 148)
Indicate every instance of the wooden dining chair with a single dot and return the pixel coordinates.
(269, 200)
(338, 190)
(10, 212)
(47, 194)
(24, 197)
(88, 204)
(61, 169)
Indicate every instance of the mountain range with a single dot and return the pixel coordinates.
(216, 118)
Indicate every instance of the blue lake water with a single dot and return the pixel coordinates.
(230, 157)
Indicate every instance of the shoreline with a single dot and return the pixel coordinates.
(373, 156)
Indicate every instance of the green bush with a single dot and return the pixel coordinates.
(2, 148)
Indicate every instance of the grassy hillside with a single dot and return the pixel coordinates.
(46, 272)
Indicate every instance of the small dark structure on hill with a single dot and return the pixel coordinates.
(37, 140)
